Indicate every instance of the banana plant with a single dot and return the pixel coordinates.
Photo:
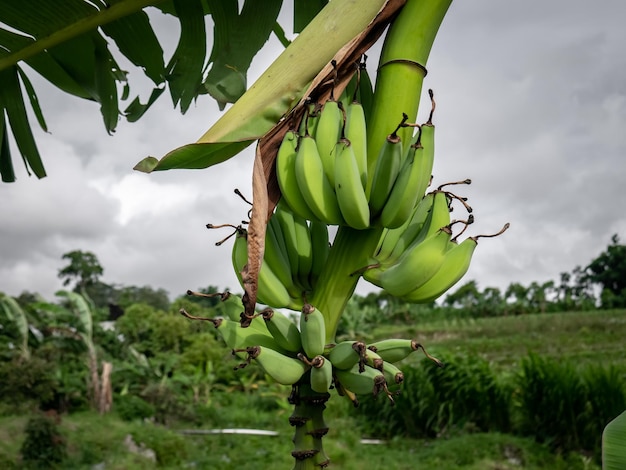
(16, 315)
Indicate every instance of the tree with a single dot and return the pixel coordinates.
(609, 271)
(83, 270)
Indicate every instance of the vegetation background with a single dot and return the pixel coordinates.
(532, 376)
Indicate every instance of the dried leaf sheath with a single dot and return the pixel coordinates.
(256, 233)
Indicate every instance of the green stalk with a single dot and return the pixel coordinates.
(308, 420)
(401, 71)
(350, 252)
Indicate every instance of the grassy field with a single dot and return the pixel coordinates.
(582, 337)
(97, 442)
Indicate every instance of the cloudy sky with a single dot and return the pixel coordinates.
(531, 105)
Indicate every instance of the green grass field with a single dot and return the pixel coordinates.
(583, 338)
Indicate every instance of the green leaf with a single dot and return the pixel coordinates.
(304, 11)
(136, 109)
(184, 71)
(6, 164)
(614, 444)
(193, 156)
(279, 32)
(136, 39)
(11, 100)
(237, 39)
(105, 81)
(278, 89)
(34, 101)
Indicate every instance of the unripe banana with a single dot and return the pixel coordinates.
(349, 188)
(455, 265)
(407, 235)
(418, 264)
(346, 354)
(370, 381)
(356, 133)
(286, 175)
(230, 306)
(276, 257)
(321, 374)
(312, 331)
(237, 337)
(393, 375)
(321, 247)
(284, 218)
(305, 251)
(395, 350)
(327, 133)
(283, 369)
(314, 184)
(410, 185)
(270, 291)
(365, 90)
(385, 173)
(284, 331)
(373, 360)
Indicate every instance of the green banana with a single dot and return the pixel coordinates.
(414, 267)
(349, 188)
(321, 247)
(393, 375)
(230, 306)
(396, 241)
(346, 354)
(276, 257)
(271, 291)
(327, 133)
(356, 133)
(365, 89)
(284, 331)
(373, 360)
(455, 265)
(286, 175)
(314, 184)
(394, 350)
(283, 369)
(305, 251)
(369, 381)
(284, 218)
(385, 172)
(321, 374)
(312, 331)
(411, 183)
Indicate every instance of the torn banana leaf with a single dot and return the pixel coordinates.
(279, 89)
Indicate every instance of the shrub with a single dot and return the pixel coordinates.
(44, 445)
(132, 407)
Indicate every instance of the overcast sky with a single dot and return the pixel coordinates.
(531, 105)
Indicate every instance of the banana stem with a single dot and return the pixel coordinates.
(310, 428)
(401, 71)
(351, 251)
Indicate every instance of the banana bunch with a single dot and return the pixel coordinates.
(322, 169)
(295, 253)
(291, 352)
(421, 259)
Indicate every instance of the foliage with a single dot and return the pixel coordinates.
(609, 271)
(132, 407)
(26, 382)
(83, 269)
(44, 445)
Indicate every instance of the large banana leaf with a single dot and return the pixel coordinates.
(73, 44)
